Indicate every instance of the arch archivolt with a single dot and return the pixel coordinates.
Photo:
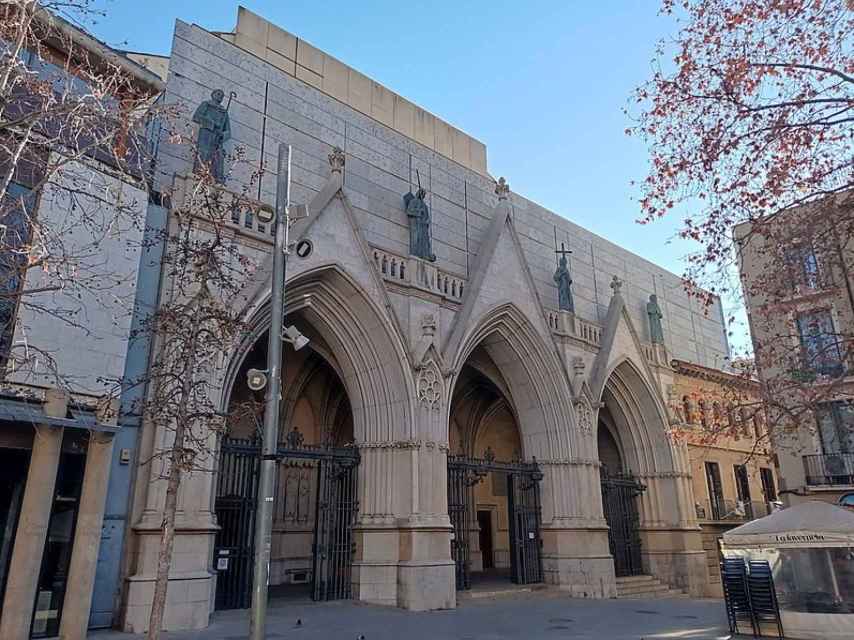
(536, 384)
(638, 420)
(359, 341)
(505, 346)
(636, 417)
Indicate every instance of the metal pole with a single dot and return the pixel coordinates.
(266, 488)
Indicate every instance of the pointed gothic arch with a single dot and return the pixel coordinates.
(539, 393)
(360, 344)
(639, 420)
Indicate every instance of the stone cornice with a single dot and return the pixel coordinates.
(692, 370)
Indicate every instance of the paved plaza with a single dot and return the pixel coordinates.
(536, 615)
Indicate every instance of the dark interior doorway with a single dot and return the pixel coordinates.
(13, 478)
(484, 523)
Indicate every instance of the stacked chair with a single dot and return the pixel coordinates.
(749, 595)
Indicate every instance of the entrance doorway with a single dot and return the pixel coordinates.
(620, 492)
(521, 488)
(316, 500)
(619, 502)
(314, 513)
(13, 478)
(484, 525)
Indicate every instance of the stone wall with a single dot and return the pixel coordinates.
(272, 106)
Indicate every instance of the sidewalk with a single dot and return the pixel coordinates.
(525, 616)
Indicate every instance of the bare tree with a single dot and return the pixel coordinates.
(195, 327)
(79, 128)
(74, 163)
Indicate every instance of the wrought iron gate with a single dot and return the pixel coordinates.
(332, 473)
(619, 502)
(523, 502)
(236, 491)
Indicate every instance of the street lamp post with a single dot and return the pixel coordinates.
(266, 484)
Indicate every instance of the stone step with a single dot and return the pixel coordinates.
(642, 588)
(670, 594)
(637, 587)
(496, 591)
(630, 579)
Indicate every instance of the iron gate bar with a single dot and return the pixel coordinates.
(336, 508)
(619, 503)
(524, 514)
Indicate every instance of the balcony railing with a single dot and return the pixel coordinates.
(829, 469)
(732, 510)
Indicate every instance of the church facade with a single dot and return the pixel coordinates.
(471, 402)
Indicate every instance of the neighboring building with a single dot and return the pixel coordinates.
(491, 432)
(57, 428)
(801, 310)
(720, 416)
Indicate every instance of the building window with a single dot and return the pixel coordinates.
(742, 488)
(15, 211)
(836, 426)
(716, 490)
(820, 349)
(768, 487)
(804, 270)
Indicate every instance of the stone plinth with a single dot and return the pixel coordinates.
(426, 573)
(190, 595)
(578, 561)
(676, 556)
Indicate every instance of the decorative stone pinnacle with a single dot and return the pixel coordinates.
(502, 188)
(336, 159)
(616, 284)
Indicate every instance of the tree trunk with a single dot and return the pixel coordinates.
(176, 459)
(167, 540)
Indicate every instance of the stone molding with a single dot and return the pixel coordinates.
(405, 444)
(572, 462)
(665, 475)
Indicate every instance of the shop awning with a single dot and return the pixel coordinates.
(809, 524)
(32, 413)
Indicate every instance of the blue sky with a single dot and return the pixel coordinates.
(541, 83)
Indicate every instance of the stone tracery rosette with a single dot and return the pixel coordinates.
(428, 386)
(585, 416)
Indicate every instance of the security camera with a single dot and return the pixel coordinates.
(291, 334)
(256, 379)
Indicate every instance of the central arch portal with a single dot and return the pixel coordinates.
(493, 494)
(315, 503)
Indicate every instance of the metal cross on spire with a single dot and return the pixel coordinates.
(563, 252)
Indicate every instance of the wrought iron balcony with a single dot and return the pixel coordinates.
(731, 510)
(829, 469)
